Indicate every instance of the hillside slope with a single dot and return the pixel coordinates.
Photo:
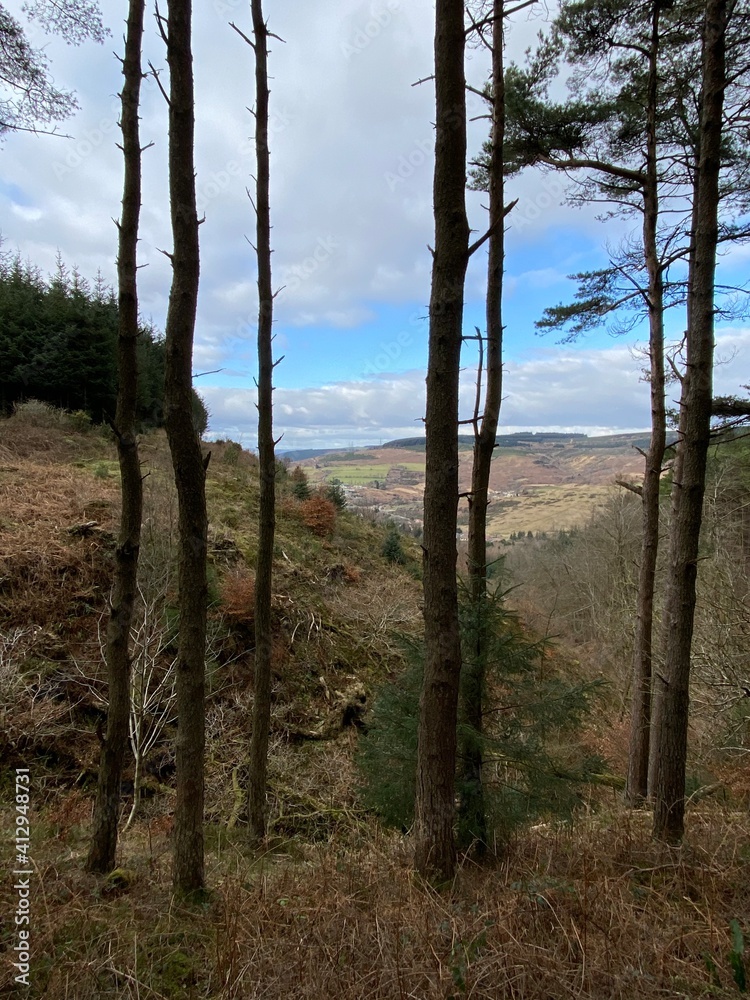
(337, 602)
(328, 907)
(538, 483)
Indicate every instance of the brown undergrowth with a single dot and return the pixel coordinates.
(56, 534)
(591, 911)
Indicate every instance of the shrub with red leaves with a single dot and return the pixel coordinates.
(319, 515)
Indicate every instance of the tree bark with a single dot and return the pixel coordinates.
(672, 687)
(435, 850)
(472, 812)
(187, 459)
(636, 789)
(266, 456)
(101, 857)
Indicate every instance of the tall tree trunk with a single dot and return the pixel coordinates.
(266, 457)
(636, 789)
(187, 460)
(472, 813)
(672, 688)
(435, 850)
(101, 857)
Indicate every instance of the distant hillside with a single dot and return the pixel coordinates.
(539, 482)
(300, 454)
(641, 440)
(334, 454)
(518, 439)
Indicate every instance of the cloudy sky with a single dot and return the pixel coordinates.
(352, 152)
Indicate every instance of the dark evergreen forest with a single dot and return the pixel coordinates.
(58, 341)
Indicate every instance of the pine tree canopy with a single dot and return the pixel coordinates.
(58, 343)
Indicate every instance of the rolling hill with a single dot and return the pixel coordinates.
(539, 482)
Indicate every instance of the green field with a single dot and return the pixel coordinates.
(345, 456)
(358, 475)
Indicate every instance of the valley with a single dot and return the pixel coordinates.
(539, 483)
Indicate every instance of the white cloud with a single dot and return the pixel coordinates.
(27, 213)
(589, 391)
(351, 143)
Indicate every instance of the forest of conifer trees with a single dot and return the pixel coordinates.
(58, 340)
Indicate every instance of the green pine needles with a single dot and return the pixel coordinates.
(392, 549)
(58, 345)
(533, 765)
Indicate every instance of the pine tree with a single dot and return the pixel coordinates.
(101, 856)
(266, 458)
(392, 549)
(472, 807)
(334, 492)
(29, 99)
(188, 873)
(300, 483)
(435, 851)
(629, 130)
(533, 764)
(673, 683)
(61, 348)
